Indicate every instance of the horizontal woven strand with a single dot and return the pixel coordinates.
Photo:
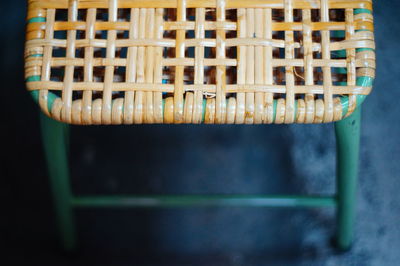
(60, 4)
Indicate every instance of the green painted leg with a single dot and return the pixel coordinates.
(348, 143)
(55, 137)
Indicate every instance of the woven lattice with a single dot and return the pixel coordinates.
(194, 61)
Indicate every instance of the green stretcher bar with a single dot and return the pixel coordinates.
(203, 200)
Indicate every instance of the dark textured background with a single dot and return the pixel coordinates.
(200, 159)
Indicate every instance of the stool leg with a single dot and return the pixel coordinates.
(348, 143)
(55, 138)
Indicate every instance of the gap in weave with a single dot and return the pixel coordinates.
(61, 14)
(124, 14)
(118, 95)
(121, 52)
(76, 95)
(230, 34)
(191, 14)
(99, 52)
(210, 74)
(299, 52)
(80, 52)
(60, 34)
(188, 75)
(231, 75)
(169, 34)
(231, 15)
(190, 34)
(209, 52)
(189, 52)
(318, 76)
(278, 15)
(59, 52)
(57, 73)
(101, 34)
(80, 34)
(297, 15)
(339, 54)
(98, 73)
(298, 75)
(278, 35)
(82, 14)
(316, 38)
(337, 35)
(315, 15)
(119, 74)
(211, 14)
(97, 95)
(339, 76)
(279, 75)
(102, 14)
(122, 34)
(337, 15)
(169, 14)
(169, 52)
(278, 53)
(168, 74)
(231, 52)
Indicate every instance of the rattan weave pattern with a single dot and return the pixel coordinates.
(194, 61)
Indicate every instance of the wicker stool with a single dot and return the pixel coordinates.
(193, 61)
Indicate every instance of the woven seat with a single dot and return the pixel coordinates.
(193, 61)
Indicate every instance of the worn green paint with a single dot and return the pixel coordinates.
(54, 136)
(347, 149)
(36, 19)
(203, 200)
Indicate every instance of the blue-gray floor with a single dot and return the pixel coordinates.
(206, 159)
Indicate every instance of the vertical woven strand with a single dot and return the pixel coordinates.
(88, 67)
(259, 68)
(350, 58)
(241, 66)
(308, 66)
(199, 66)
(289, 73)
(109, 71)
(179, 69)
(327, 73)
(220, 108)
(249, 114)
(158, 56)
(69, 69)
(268, 69)
(149, 70)
(47, 55)
(138, 111)
(131, 66)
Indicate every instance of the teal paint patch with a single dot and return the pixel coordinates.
(204, 110)
(338, 33)
(364, 49)
(275, 104)
(362, 10)
(36, 55)
(163, 107)
(33, 79)
(36, 19)
(51, 97)
(338, 54)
